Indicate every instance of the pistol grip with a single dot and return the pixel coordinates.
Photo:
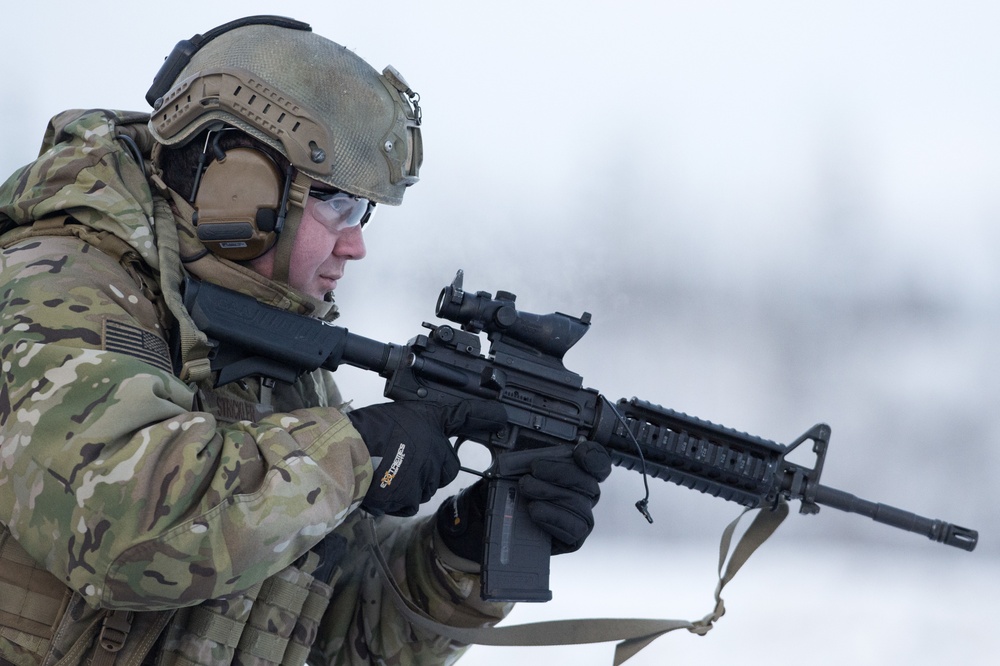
(516, 552)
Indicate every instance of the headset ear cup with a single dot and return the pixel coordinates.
(238, 201)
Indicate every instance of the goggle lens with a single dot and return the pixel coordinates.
(340, 210)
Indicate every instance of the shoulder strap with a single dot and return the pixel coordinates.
(633, 634)
(194, 347)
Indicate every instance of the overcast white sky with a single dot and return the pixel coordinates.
(779, 212)
(735, 139)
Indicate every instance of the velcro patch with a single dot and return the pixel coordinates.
(138, 343)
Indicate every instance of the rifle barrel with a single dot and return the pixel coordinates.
(935, 530)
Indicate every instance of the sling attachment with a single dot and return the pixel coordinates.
(122, 637)
(633, 634)
(114, 633)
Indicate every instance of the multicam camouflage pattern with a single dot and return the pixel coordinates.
(143, 493)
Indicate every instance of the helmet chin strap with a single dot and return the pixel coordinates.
(297, 195)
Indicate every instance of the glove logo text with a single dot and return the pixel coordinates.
(390, 473)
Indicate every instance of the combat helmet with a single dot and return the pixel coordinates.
(335, 118)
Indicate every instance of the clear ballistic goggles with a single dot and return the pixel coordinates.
(340, 210)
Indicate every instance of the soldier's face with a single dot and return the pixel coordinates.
(319, 255)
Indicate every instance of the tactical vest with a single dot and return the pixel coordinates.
(275, 622)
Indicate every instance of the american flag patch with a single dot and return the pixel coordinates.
(138, 343)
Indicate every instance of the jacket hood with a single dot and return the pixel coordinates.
(88, 168)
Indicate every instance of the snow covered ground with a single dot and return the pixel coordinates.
(821, 605)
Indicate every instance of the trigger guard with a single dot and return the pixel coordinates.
(459, 441)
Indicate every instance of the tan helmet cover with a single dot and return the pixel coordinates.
(329, 112)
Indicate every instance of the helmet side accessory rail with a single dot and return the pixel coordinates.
(245, 95)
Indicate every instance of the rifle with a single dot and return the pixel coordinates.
(548, 410)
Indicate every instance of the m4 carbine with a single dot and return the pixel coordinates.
(548, 410)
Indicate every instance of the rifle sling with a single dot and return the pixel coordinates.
(633, 634)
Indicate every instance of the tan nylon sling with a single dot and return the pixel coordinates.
(194, 347)
(633, 634)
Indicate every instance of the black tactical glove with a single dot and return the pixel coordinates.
(411, 454)
(561, 494)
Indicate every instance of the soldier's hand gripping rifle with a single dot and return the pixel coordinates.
(547, 406)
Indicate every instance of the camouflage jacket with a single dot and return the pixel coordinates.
(144, 493)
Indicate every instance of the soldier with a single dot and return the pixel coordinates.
(148, 516)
